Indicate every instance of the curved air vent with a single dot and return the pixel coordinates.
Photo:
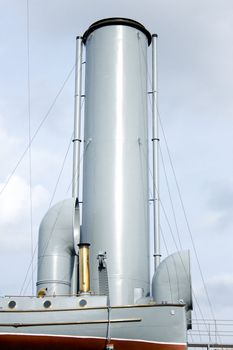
(172, 280)
(56, 249)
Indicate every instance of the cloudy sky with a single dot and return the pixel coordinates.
(196, 111)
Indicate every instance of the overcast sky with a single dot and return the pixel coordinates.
(196, 110)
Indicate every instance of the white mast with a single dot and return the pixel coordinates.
(155, 140)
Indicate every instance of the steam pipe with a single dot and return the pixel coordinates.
(84, 269)
(76, 152)
(77, 117)
(155, 140)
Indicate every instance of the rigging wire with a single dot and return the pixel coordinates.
(60, 209)
(170, 197)
(50, 204)
(189, 230)
(186, 218)
(182, 204)
(180, 198)
(174, 240)
(29, 139)
(59, 176)
(167, 251)
(28, 148)
(38, 128)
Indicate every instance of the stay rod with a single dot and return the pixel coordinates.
(155, 142)
(77, 118)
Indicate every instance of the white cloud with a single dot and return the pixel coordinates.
(220, 290)
(15, 231)
(15, 210)
(14, 201)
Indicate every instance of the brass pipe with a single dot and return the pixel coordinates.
(84, 268)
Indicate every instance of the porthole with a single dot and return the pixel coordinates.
(82, 302)
(12, 304)
(47, 304)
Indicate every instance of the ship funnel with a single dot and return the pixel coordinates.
(84, 269)
(115, 213)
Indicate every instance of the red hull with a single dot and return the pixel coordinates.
(47, 342)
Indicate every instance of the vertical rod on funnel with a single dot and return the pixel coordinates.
(155, 140)
(77, 117)
(76, 146)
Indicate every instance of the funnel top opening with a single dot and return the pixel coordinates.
(116, 21)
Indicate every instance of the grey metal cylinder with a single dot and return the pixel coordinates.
(115, 180)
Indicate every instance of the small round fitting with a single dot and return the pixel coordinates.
(12, 304)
